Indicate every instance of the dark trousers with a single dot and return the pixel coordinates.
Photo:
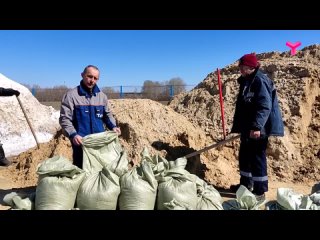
(253, 164)
(2, 155)
(77, 156)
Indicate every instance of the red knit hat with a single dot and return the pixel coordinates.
(249, 60)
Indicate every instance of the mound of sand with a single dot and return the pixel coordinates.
(294, 157)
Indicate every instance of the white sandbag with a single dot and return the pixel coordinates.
(99, 191)
(177, 184)
(138, 188)
(288, 199)
(58, 183)
(157, 163)
(208, 197)
(104, 150)
(175, 205)
(245, 200)
(315, 197)
(20, 201)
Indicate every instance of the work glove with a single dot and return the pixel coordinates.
(14, 92)
(10, 92)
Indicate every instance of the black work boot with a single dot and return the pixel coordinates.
(3, 160)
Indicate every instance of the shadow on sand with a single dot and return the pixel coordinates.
(194, 164)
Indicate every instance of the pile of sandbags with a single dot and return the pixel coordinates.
(106, 183)
(62, 185)
(160, 184)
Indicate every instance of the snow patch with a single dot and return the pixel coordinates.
(15, 133)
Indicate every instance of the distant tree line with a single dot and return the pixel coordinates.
(159, 91)
(53, 94)
(155, 90)
(163, 91)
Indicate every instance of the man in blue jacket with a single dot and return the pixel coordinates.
(6, 92)
(85, 110)
(257, 116)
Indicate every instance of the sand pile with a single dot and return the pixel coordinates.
(144, 123)
(294, 157)
(15, 133)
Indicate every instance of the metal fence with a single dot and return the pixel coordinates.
(157, 93)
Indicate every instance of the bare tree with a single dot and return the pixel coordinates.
(61, 87)
(36, 86)
(152, 89)
(177, 84)
(111, 93)
(54, 94)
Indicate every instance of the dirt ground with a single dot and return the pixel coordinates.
(21, 176)
(192, 121)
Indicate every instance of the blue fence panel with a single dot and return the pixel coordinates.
(157, 93)
(33, 91)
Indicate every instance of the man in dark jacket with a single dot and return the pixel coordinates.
(257, 116)
(6, 92)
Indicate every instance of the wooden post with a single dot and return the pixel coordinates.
(25, 114)
(223, 142)
(221, 105)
